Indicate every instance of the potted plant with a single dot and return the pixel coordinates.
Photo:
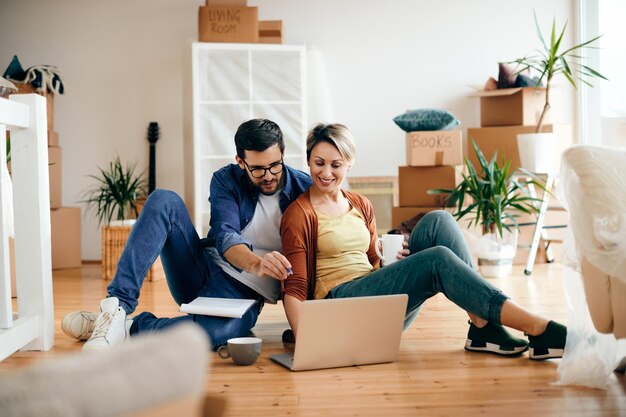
(538, 151)
(495, 195)
(116, 193)
(115, 198)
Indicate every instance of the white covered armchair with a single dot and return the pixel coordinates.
(593, 186)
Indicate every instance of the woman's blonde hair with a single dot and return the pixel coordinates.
(337, 135)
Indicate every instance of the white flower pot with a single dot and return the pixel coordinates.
(539, 152)
(495, 254)
(495, 268)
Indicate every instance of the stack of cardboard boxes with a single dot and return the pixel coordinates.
(503, 115)
(433, 161)
(65, 221)
(233, 21)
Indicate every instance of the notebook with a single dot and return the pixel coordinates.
(346, 332)
(223, 307)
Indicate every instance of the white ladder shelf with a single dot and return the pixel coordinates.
(32, 328)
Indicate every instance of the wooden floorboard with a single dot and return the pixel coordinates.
(432, 376)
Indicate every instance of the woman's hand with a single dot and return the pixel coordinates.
(404, 252)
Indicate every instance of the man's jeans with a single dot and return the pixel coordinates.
(164, 228)
(439, 262)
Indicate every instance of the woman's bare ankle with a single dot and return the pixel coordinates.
(478, 322)
(538, 327)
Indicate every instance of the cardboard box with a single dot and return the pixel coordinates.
(512, 106)
(237, 3)
(29, 89)
(228, 24)
(271, 31)
(414, 182)
(53, 138)
(382, 193)
(504, 141)
(54, 172)
(65, 228)
(433, 148)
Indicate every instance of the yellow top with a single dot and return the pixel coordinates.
(342, 244)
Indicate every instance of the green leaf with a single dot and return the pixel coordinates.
(116, 193)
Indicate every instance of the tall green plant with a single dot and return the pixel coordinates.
(117, 191)
(492, 194)
(553, 60)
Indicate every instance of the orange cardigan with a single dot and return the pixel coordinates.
(298, 230)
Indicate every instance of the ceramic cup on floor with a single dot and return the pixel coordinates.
(242, 350)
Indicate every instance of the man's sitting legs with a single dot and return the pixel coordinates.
(164, 228)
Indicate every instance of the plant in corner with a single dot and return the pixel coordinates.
(114, 198)
(551, 61)
(116, 193)
(495, 195)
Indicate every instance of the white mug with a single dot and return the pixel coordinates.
(392, 244)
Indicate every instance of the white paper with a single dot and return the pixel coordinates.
(222, 307)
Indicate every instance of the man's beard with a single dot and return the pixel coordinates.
(260, 188)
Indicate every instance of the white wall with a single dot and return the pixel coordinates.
(124, 64)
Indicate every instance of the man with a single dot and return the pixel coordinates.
(240, 258)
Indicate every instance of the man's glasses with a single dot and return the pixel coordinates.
(275, 168)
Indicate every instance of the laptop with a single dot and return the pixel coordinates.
(346, 331)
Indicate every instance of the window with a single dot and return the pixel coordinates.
(602, 108)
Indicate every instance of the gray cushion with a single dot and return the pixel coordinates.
(426, 119)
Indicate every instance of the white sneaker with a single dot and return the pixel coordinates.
(79, 324)
(110, 326)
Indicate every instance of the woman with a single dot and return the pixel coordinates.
(329, 234)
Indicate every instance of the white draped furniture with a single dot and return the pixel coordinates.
(32, 328)
(593, 185)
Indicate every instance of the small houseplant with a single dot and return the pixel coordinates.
(538, 150)
(117, 191)
(114, 198)
(495, 195)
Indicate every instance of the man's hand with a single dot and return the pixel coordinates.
(274, 265)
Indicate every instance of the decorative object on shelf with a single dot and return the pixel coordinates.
(550, 61)
(6, 88)
(153, 137)
(44, 78)
(495, 196)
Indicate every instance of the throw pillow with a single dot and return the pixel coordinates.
(426, 119)
(506, 76)
(526, 81)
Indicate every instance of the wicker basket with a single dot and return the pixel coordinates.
(113, 241)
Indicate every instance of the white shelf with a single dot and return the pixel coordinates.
(232, 83)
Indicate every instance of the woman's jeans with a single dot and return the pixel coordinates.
(439, 262)
(164, 228)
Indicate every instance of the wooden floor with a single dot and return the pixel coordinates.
(433, 375)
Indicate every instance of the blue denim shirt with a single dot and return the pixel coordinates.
(233, 200)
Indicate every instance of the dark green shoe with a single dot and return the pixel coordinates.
(494, 338)
(549, 344)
